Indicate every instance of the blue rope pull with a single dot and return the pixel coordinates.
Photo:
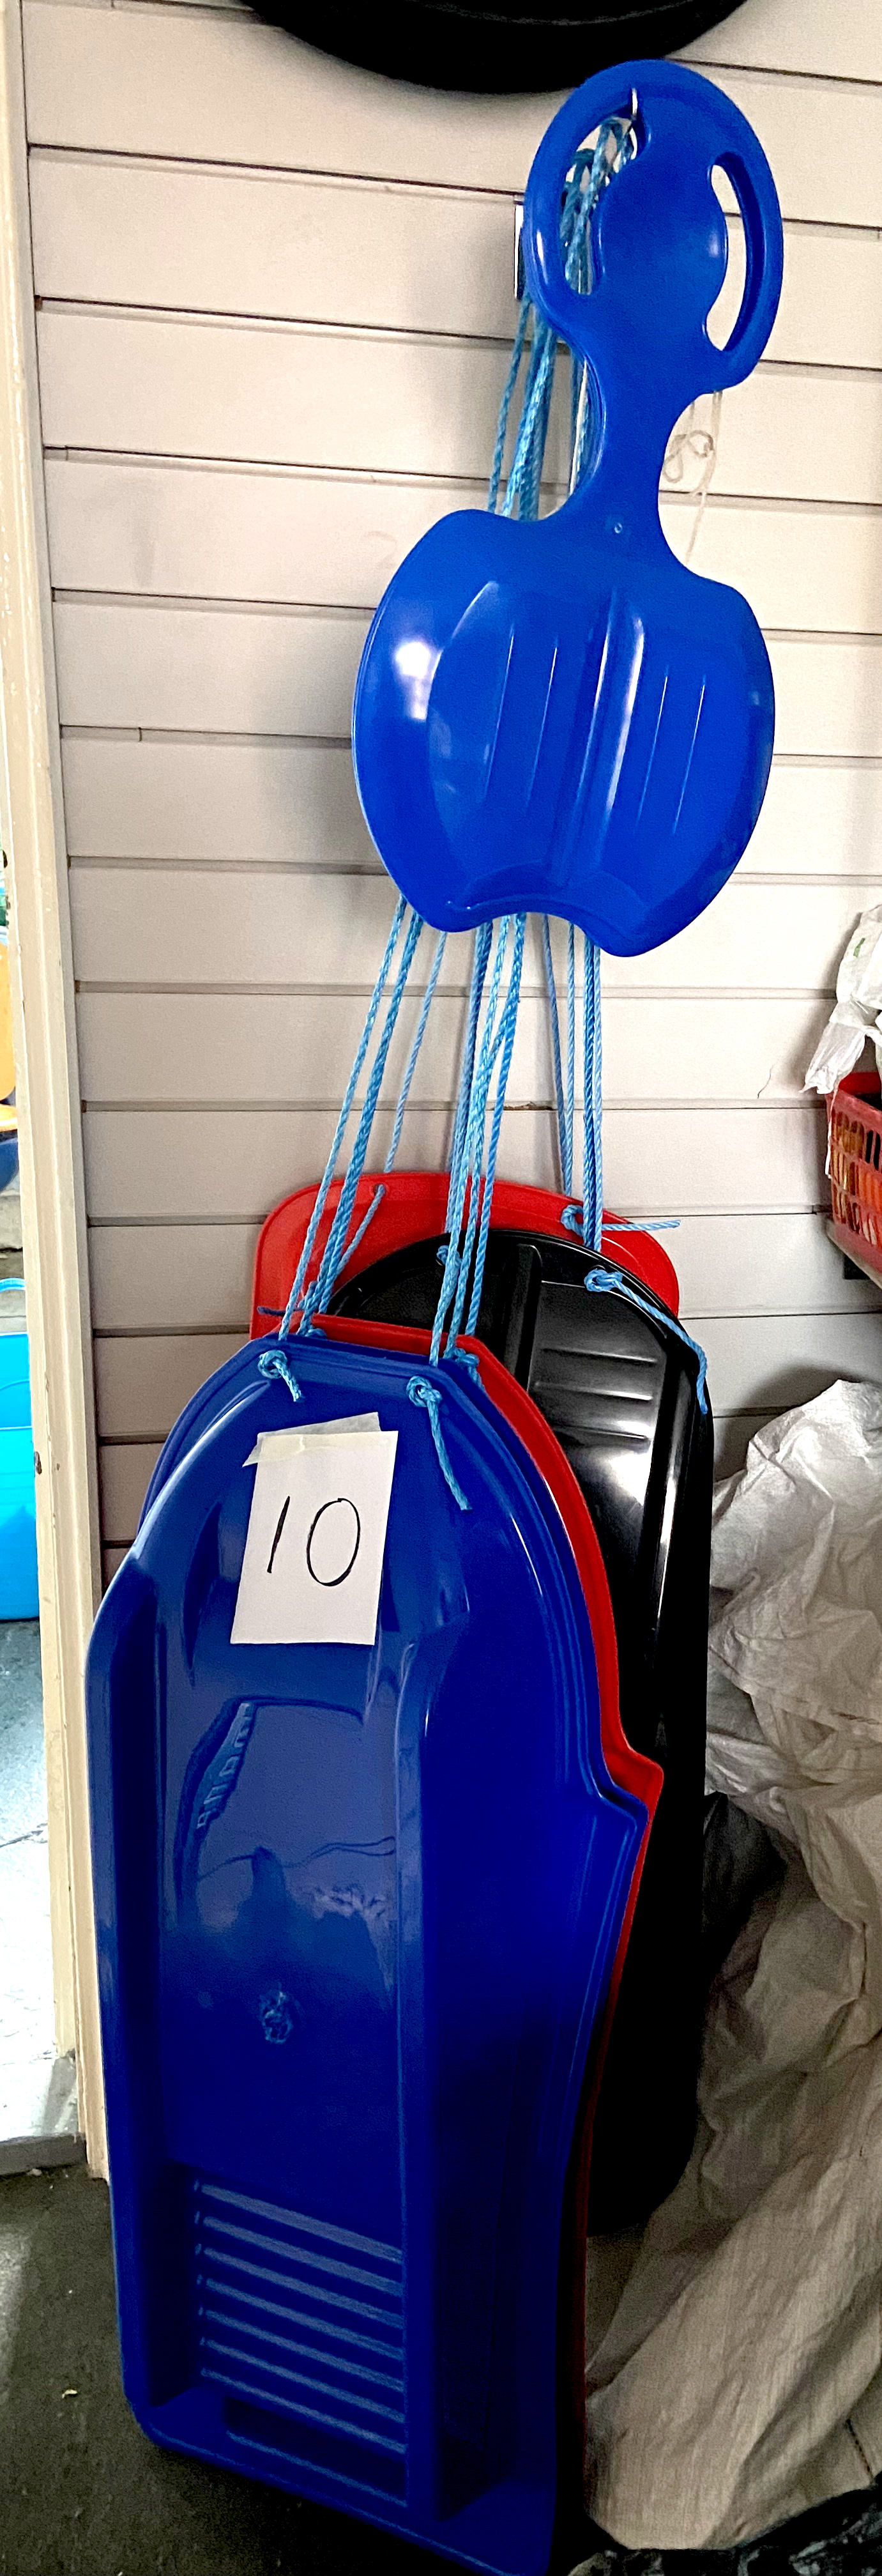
(421, 1391)
(403, 1096)
(645, 1225)
(628, 1287)
(473, 1099)
(274, 1364)
(557, 1069)
(510, 1018)
(592, 1149)
(358, 1237)
(302, 1272)
(571, 1217)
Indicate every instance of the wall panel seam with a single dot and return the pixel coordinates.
(304, 612)
(187, 317)
(762, 73)
(157, 460)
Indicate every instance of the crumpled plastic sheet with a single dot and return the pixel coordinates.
(858, 1012)
(739, 2379)
(842, 2540)
(797, 1557)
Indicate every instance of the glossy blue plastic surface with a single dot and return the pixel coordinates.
(558, 717)
(225, 1385)
(357, 1910)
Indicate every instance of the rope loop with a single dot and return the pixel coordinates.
(274, 1364)
(421, 1391)
(628, 1287)
(467, 1360)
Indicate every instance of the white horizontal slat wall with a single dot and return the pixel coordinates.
(275, 306)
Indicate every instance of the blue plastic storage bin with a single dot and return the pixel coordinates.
(18, 1526)
(8, 1157)
(18, 1511)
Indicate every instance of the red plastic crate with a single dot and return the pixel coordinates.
(855, 1119)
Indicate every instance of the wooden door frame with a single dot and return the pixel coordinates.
(51, 1156)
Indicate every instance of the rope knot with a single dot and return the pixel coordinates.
(274, 1364)
(626, 1286)
(467, 1360)
(421, 1391)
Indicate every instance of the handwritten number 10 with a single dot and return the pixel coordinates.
(329, 1582)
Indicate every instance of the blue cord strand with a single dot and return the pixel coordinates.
(462, 1245)
(589, 1190)
(466, 1172)
(460, 1154)
(343, 1120)
(317, 1295)
(498, 1107)
(479, 1205)
(570, 1098)
(592, 1102)
(592, 959)
(403, 1096)
(645, 1225)
(627, 1286)
(361, 1230)
(554, 1024)
(421, 1391)
(410, 1068)
(474, 1162)
(505, 405)
(479, 970)
(274, 1364)
(591, 174)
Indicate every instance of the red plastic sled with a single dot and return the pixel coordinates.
(415, 1204)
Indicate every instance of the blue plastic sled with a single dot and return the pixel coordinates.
(558, 716)
(357, 1914)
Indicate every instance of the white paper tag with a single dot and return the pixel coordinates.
(316, 1537)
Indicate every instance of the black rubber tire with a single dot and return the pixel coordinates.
(517, 45)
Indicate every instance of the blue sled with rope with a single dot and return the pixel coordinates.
(359, 1913)
(559, 715)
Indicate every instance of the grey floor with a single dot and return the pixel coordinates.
(82, 2493)
(27, 2037)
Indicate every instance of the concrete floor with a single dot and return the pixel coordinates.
(82, 2493)
(27, 2031)
(37, 2090)
(38, 2103)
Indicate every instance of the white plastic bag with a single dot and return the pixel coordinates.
(739, 2379)
(858, 1007)
(797, 1552)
